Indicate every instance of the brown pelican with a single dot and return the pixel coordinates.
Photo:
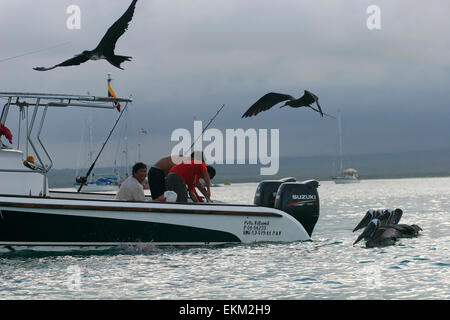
(405, 230)
(370, 214)
(105, 49)
(396, 216)
(376, 235)
(270, 99)
(387, 217)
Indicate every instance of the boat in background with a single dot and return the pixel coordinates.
(95, 182)
(349, 175)
(99, 183)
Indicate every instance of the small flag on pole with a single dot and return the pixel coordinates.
(112, 94)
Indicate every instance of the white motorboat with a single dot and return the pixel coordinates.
(33, 216)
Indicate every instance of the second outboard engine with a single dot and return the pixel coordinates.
(267, 191)
(300, 200)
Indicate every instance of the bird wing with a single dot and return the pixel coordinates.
(310, 97)
(405, 229)
(78, 59)
(266, 102)
(108, 42)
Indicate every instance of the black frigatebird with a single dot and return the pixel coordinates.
(270, 99)
(105, 49)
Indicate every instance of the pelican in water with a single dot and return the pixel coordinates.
(387, 217)
(377, 235)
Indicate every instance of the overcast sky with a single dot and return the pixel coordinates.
(192, 56)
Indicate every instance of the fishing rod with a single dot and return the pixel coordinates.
(25, 54)
(83, 180)
(210, 121)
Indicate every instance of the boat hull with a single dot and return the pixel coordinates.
(343, 180)
(35, 221)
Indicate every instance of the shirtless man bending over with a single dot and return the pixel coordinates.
(159, 171)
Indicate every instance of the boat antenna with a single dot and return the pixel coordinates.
(83, 180)
(204, 129)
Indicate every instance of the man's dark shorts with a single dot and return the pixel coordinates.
(176, 183)
(157, 182)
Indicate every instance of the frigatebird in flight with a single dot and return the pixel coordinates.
(269, 100)
(105, 49)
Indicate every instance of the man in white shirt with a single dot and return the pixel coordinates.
(132, 188)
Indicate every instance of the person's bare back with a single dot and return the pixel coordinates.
(166, 163)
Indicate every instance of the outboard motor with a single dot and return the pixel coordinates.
(300, 200)
(267, 191)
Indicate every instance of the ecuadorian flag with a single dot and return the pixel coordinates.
(113, 95)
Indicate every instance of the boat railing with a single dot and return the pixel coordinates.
(45, 100)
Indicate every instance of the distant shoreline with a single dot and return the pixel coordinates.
(69, 184)
(398, 165)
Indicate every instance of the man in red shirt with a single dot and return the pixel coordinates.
(184, 177)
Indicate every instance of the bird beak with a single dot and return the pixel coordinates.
(364, 222)
(358, 240)
(368, 231)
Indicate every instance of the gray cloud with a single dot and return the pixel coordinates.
(189, 57)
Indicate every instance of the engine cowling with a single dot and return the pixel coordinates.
(300, 200)
(267, 191)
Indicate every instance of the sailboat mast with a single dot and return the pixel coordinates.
(340, 140)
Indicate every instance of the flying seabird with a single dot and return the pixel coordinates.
(105, 49)
(270, 99)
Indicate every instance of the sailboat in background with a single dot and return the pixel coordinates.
(96, 182)
(349, 175)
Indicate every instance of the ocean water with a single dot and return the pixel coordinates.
(328, 267)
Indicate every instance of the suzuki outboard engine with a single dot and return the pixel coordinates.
(267, 191)
(300, 200)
